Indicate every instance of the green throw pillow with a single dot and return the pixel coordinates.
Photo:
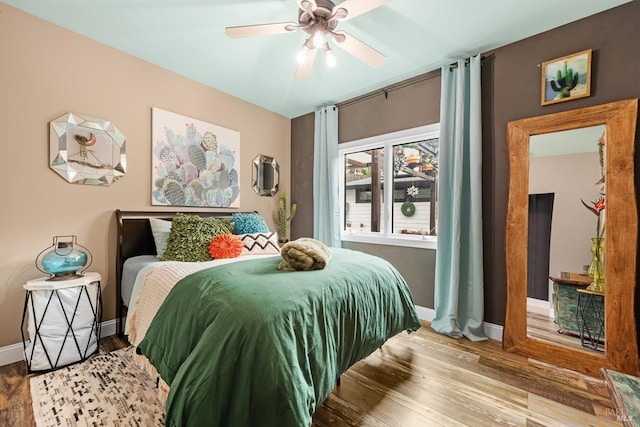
(190, 237)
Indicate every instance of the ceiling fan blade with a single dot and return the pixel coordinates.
(359, 49)
(304, 69)
(358, 7)
(260, 30)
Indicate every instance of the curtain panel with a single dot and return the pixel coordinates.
(326, 208)
(459, 286)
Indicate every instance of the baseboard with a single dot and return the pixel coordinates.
(425, 313)
(15, 352)
(492, 331)
(541, 307)
(11, 353)
(108, 328)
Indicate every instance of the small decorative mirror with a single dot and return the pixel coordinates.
(265, 175)
(86, 150)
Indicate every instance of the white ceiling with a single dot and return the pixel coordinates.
(187, 37)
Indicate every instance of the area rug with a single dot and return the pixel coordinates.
(106, 390)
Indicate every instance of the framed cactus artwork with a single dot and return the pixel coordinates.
(194, 163)
(566, 78)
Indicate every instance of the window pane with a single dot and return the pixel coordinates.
(415, 175)
(363, 190)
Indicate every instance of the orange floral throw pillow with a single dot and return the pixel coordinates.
(225, 246)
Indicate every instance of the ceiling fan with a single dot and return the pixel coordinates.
(319, 19)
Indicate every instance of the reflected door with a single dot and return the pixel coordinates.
(540, 216)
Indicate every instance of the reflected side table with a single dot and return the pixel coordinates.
(590, 319)
(565, 301)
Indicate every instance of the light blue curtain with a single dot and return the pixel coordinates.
(459, 287)
(326, 208)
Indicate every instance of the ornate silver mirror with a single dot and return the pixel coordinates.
(265, 175)
(86, 150)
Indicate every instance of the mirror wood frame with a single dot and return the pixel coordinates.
(621, 350)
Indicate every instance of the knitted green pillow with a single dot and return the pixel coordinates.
(191, 235)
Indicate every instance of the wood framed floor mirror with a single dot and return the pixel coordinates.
(617, 346)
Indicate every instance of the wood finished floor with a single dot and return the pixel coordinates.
(422, 379)
(544, 328)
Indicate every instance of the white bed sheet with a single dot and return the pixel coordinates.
(130, 270)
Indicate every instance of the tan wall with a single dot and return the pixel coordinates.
(46, 71)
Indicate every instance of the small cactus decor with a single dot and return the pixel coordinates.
(565, 82)
(280, 217)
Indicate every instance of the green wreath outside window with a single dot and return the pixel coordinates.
(408, 208)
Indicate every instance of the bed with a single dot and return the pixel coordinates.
(239, 342)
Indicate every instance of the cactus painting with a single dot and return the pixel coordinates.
(567, 81)
(566, 78)
(193, 163)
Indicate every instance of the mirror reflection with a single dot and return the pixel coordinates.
(86, 150)
(566, 184)
(265, 175)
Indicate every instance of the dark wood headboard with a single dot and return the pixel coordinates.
(134, 238)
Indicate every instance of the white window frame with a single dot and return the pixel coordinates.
(386, 141)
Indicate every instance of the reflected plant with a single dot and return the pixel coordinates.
(601, 160)
(597, 207)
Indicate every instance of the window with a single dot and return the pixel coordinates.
(411, 157)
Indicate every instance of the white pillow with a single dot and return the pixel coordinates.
(260, 243)
(160, 230)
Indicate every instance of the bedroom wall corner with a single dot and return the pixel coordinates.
(48, 71)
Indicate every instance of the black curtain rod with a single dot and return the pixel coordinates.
(466, 61)
(400, 85)
(387, 89)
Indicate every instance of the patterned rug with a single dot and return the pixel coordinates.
(106, 390)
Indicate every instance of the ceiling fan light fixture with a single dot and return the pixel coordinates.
(330, 57)
(301, 57)
(318, 39)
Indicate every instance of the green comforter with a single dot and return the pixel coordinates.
(244, 344)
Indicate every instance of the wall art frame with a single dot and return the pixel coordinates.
(86, 150)
(194, 163)
(566, 78)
